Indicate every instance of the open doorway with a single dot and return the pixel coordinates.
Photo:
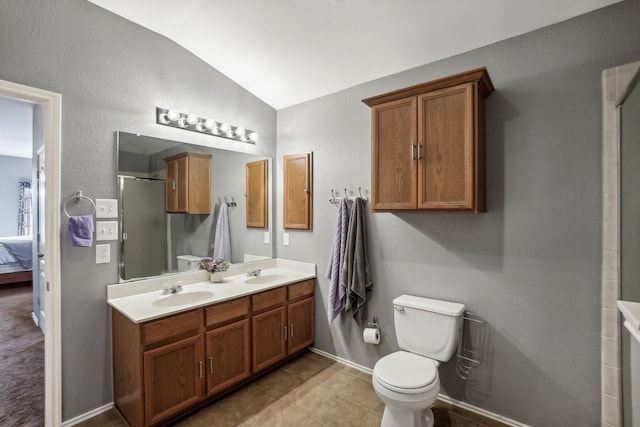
(47, 118)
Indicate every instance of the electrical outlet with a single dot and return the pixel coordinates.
(285, 239)
(106, 208)
(103, 254)
(266, 237)
(106, 230)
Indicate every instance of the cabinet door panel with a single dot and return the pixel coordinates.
(446, 163)
(297, 189)
(301, 324)
(172, 378)
(394, 150)
(269, 334)
(228, 356)
(257, 193)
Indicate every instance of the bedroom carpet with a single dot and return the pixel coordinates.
(21, 360)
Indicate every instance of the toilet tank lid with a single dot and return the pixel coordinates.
(428, 304)
(189, 258)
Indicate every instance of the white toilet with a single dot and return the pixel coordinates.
(407, 381)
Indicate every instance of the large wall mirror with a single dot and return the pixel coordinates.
(154, 242)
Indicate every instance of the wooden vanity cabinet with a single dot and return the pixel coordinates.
(165, 367)
(428, 145)
(227, 344)
(286, 324)
(188, 183)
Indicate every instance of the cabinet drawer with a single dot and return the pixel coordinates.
(226, 311)
(301, 289)
(269, 298)
(172, 327)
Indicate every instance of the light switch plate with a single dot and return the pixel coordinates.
(103, 254)
(106, 208)
(106, 230)
(266, 237)
(285, 239)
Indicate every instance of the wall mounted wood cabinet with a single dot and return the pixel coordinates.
(257, 193)
(298, 191)
(428, 145)
(188, 183)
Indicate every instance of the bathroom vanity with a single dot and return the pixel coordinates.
(175, 352)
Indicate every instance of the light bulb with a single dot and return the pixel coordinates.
(209, 124)
(182, 122)
(224, 127)
(192, 119)
(253, 136)
(200, 127)
(173, 115)
(240, 131)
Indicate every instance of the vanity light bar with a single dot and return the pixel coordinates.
(191, 122)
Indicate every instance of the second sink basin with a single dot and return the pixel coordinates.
(182, 298)
(265, 278)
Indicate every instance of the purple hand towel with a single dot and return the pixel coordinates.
(81, 230)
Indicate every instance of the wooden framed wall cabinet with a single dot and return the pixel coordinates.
(188, 183)
(428, 145)
(257, 194)
(297, 191)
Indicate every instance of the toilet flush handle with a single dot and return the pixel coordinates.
(399, 308)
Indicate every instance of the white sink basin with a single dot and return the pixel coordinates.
(264, 279)
(182, 298)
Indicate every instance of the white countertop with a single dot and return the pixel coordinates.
(143, 300)
(631, 312)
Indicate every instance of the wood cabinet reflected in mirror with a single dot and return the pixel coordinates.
(298, 191)
(257, 192)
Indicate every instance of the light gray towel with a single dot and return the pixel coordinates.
(337, 291)
(356, 275)
(222, 239)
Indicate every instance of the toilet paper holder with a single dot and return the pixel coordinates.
(374, 324)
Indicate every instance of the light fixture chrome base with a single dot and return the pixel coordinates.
(176, 119)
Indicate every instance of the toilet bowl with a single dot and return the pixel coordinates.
(407, 381)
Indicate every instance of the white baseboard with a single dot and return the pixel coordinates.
(86, 416)
(441, 396)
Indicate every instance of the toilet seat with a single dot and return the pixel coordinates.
(406, 373)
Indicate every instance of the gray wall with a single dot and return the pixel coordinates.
(530, 265)
(12, 170)
(111, 74)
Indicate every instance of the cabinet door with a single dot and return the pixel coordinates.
(228, 355)
(176, 185)
(393, 155)
(269, 335)
(301, 323)
(173, 378)
(297, 189)
(257, 194)
(198, 184)
(446, 141)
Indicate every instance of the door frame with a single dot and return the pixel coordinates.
(52, 118)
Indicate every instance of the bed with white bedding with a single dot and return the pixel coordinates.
(16, 259)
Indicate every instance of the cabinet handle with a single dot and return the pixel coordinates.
(200, 368)
(413, 151)
(419, 150)
(291, 330)
(211, 365)
(285, 333)
(173, 185)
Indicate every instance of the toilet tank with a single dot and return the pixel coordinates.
(427, 326)
(188, 262)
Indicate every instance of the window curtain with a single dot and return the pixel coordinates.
(24, 208)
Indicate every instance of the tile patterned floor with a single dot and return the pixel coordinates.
(310, 391)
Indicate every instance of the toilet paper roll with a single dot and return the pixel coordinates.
(371, 335)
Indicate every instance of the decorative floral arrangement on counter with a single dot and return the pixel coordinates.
(214, 265)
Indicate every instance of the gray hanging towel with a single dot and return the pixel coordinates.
(356, 275)
(337, 291)
(222, 239)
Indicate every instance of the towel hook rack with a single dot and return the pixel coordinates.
(333, 200)
(77, 198)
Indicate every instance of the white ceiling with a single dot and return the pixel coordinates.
(289, 51)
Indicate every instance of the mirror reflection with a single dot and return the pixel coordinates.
(154, 241)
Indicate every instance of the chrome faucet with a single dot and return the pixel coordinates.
(171, 289)
(254, 273)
